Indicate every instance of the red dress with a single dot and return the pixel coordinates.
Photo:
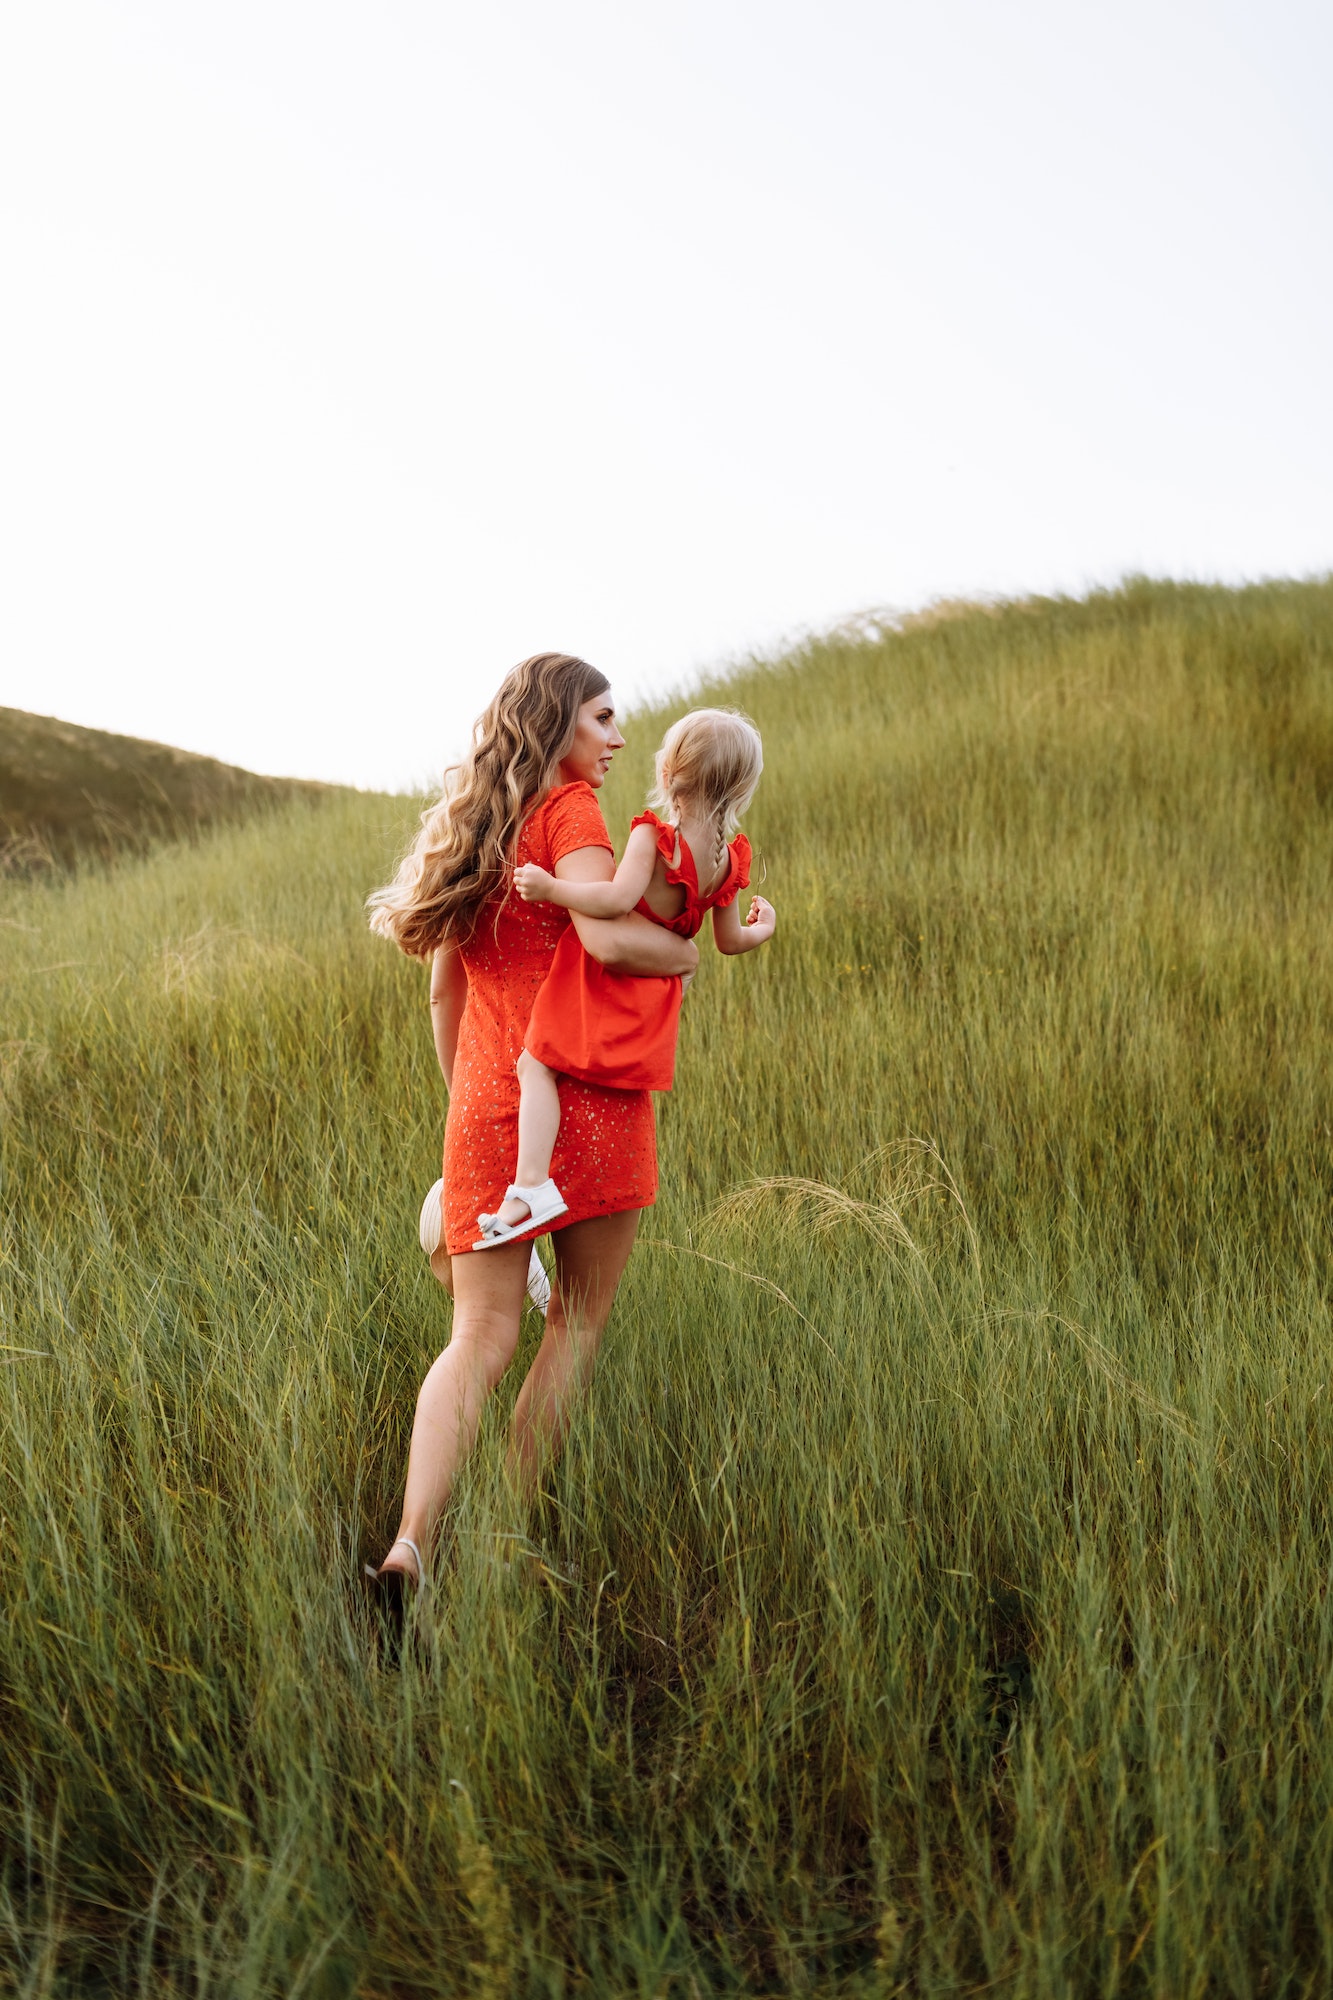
(606, 1155)
(609, 1028)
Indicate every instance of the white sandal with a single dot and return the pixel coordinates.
(393, 1591)
(430, 1235)
(544, 1201)
(406, 1542)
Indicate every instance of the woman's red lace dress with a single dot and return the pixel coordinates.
(606, 1156)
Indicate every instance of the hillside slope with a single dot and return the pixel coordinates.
(933, 1595)
(67, 792)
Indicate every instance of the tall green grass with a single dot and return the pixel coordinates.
(934, 1596)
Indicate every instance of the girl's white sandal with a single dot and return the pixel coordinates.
(544, 1202)
(430, 1235)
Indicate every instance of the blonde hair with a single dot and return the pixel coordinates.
(711, 760)
(462, 854)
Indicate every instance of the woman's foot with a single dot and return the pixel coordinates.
(389, 1588)
(403, 1559)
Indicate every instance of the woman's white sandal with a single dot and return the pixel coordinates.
(406, 1542)
(544, 1203)
(382, 1575)
(389, 1589)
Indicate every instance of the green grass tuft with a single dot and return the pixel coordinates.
(934, 1596)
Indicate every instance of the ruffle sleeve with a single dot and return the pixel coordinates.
(738, 877)
(666, 840)
(573, 819)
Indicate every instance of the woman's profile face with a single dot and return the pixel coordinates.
(596, 740)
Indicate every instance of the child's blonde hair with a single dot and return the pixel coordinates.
(711, 759)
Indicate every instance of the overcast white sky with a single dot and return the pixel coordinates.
(348, 353)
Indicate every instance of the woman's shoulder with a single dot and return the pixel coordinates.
(568, 818)
(561, 795)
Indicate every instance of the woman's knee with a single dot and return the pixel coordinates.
(487, 1341)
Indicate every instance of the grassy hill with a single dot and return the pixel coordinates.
(934, 1595)
(68, 793)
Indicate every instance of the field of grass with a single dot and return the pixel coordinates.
(68, 793)
(934, 1597)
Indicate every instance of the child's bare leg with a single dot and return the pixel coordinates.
(538, 1130)
(538, 1120)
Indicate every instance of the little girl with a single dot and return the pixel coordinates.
(618, 1030)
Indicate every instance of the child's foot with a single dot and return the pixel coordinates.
(523, 1208)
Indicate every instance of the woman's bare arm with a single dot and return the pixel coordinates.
(615, 898)
(632, 944)
(448, 995)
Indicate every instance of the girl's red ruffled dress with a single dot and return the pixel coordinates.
(612, 1028)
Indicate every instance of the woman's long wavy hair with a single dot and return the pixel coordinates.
(464, 851)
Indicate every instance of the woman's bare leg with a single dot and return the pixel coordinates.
(538, 1130)
(488, 1303)
(589, 1260)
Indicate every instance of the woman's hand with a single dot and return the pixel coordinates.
(636, 946)
(534, 884)
(761, 920)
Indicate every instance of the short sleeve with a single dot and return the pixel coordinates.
(573, 819)
(664, 835)
(739, 877)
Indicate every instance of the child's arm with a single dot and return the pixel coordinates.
(615, 898)
(731, 935)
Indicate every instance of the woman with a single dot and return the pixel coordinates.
(526, 792)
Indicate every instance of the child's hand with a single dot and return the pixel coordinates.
(761, 919)
(534, 884)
